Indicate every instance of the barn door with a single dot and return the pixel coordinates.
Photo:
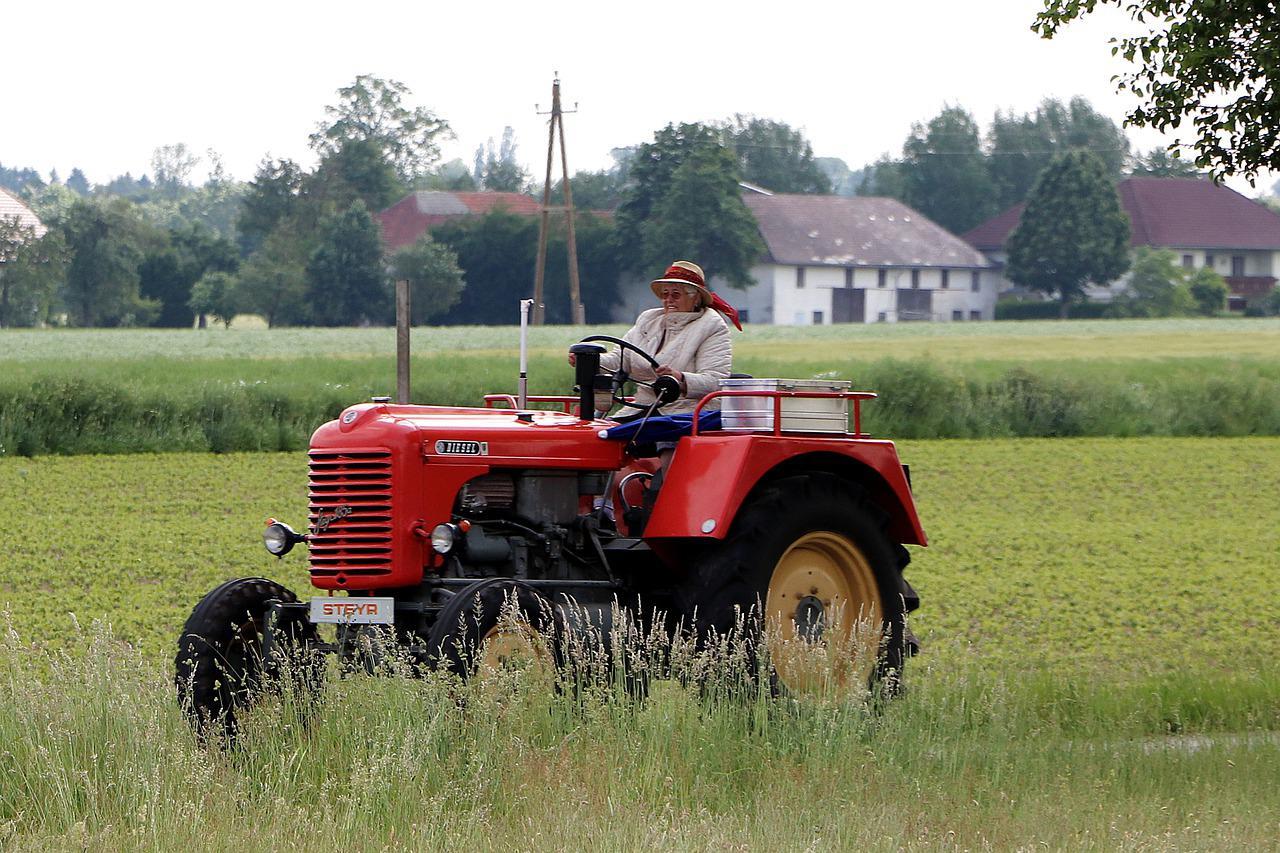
(848, 306)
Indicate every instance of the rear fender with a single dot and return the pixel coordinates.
(711, 477)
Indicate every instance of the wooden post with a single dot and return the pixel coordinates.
(575, 296)
(402, 341)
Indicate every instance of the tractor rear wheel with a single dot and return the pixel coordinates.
(808, 569)
(494, 624)
(222, 669)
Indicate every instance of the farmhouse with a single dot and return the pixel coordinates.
(418, 212)
(836, 259)
(1204, 224)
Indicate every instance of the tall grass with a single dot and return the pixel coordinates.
(96, 756)
(277, 410)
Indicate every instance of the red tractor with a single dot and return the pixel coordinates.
(425, 522)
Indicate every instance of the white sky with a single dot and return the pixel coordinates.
(100, 85)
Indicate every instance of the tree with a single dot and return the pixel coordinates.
(885, 177)
(358, 169)
(701, 216)
(1156, 287)
(944, 172)
(1021, 146)
(775, 156)
(371, 109)
(499, 171)
(1159, 163)
(106, 242)
(216, 294)
(346, 284)
(31, 269)
(78, 183)
(1073, 231)
(453, 176)
(18, 180)
(172, 166)
(844, 181)
(273, 195)
(273, 281)
(496, 253)
(435, 280)
(656, 217)
(167, 274)
(1213, 62)
(1209, 291)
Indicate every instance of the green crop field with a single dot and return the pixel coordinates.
(1098, 672)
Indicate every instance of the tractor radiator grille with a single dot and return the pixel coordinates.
(349, 513)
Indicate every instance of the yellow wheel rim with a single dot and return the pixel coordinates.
(823, 615)
(513, 645)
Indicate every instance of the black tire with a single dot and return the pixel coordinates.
(723, 596)
(220, 669)
(457, 641)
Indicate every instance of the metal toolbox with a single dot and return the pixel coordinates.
(799, 414)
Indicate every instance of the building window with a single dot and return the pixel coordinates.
(882, 278)
(848, 277)
(946, 279)
(817, 318)
(975, 315)
(1208, 260)
(957, 315)
(744, 314)
(975, 281)
(1188, 262)
(799, 277)
(882, 317)
(1237, 265)
(915, 279)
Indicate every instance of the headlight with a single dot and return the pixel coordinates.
(279, 538)
(443, 538)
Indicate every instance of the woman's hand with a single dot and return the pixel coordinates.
(667, 370)
(573, 359)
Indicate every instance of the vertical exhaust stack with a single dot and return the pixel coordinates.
(525, 305)
(587, 365)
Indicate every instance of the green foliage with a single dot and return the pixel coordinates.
(346, 284)
(357, 169)
(273, 282)
(216, 294)
(1156, 287)
(885, 177)
(435, 280)
(1073, 231)
(31, 269)
(78, 183)
(272, 195)
(1010, 309)
(1159, 163)
(372, 110)
(167, 275)
(1022, 146)
(652, 223)
(1213, 62)
(453, 176)
(844, 181)
(944, 172)
(1209, 291)
(773, 155)
(107, 241)
(20, 179)
(172, 166)
(500, 171)
(701, 216)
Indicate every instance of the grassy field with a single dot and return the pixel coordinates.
(110, 391)
(1099, 629)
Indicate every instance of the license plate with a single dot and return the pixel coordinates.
(354, 611)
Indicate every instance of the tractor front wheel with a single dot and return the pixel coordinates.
(809, 575)
(491, 625)
(222, 667)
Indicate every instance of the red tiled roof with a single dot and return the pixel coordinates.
(415, 214)
(1184, 213)
(854, 231)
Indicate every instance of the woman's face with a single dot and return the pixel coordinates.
(677, 297)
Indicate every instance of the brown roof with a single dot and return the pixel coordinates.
(822, 230)
(12, 207)
(1186, 213)
(415, 214)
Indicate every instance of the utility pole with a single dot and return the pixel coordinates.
(575, 295)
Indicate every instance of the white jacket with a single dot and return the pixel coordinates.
(696, 343)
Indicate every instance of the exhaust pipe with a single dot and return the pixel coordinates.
(587, 365)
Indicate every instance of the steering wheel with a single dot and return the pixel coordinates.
(665, 388)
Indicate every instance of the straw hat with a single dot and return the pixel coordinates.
(683, 272)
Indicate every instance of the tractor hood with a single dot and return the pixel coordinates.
(491, 437)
